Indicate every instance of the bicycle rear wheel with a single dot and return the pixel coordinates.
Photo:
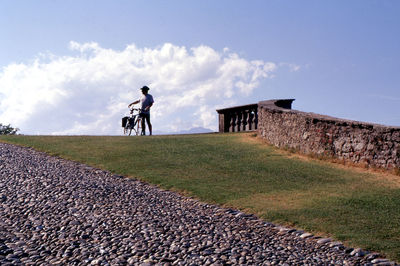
(128, 129)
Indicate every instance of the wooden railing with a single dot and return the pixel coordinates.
(238, 118)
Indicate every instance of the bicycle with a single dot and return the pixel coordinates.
(133, 122)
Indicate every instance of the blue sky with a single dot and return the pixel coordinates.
(339, 58)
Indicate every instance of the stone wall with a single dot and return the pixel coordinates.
(351, 141)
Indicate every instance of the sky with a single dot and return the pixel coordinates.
(72, 67)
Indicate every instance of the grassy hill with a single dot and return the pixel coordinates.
(357, 207)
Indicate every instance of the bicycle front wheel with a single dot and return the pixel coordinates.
(138, 127)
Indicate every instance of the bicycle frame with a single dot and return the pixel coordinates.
(134, 122)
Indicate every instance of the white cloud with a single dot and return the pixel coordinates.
(88, 93)
(292, 67)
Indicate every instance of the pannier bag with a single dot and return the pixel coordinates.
(124, 120)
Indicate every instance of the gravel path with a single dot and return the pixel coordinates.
(54, 211)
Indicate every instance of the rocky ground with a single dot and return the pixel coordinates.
(54, 211)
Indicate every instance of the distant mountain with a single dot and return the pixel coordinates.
(195, 130)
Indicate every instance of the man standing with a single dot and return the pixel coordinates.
(147, 102)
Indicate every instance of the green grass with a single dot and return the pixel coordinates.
(360, 208)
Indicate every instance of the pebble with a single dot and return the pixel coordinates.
(54, 211)
(306, 235)
(379, 261)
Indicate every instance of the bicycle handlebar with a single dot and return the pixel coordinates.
(135, 109)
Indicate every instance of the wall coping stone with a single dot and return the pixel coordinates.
(284, 104)
(271, 104)
(230, 109)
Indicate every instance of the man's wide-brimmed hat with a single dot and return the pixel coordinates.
(144, 88)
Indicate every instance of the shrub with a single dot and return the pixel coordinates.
(7, 130)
